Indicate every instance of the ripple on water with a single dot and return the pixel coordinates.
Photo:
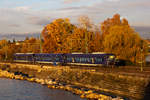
(24, 90)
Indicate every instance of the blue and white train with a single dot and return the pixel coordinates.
(92, 59)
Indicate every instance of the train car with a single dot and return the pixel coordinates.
(94, 59)
(48, 58)
(24, 57)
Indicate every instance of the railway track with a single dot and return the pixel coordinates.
(125, 70)
(129, 70)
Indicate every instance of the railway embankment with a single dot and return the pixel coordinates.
(87, 83)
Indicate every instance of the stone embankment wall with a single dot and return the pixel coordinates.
(79, 80)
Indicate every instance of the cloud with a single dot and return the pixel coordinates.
(70, 1)
(32, 17)
(72, 8)
(39, 20)
(75, 1)
(22, 8)
(113, 0)
(143, 31)
(139, 4)
(14, 25)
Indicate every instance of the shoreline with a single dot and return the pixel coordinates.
(87, 84)
(52, 84)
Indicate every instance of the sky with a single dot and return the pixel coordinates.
(30, 16)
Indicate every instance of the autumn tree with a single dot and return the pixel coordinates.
(105, 26)
(119, 38)
(76, 41)
(7, 49)
(55, 35)
(96, 44)
(49, 45)
(30, 45)
(3, 49)
(85, 24)
(12, 48)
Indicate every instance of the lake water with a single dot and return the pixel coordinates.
(24, 90)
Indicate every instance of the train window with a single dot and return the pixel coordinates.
(82, 59)
(85, 59)
(22, 57)
(57, 59)
(98, 59)
(77, 59)
(105, 57)
(69, 59)
(38, 58)
(18, 58)
(46, 58)
(27, 58)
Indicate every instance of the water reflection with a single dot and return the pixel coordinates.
(23, 90)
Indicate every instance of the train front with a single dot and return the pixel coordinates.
(111, 60)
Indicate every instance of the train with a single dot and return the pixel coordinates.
(90, 59)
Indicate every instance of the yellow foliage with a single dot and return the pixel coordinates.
(124, 42)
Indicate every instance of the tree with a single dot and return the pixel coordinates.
(115, 20)
(96, 45)
(31, 45)
(3, 49)
(124, 42)
(119, 38)
(7, 49)
(57, 33)
(86, 24)
(76, 41)
(49, 45)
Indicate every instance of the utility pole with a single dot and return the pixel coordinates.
(71, 46)
(141, 59)
(6, 51)
(141, 55)
(86, 40)
(6, 54)
(41, 51)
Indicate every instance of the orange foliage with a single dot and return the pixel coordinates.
(57, 33)
(116, 37)
(96, 44)
(31, 45)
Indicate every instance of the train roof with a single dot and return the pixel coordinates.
(24, 53)
(77, 53)
(99, 53)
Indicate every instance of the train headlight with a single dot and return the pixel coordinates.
(111, 57)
